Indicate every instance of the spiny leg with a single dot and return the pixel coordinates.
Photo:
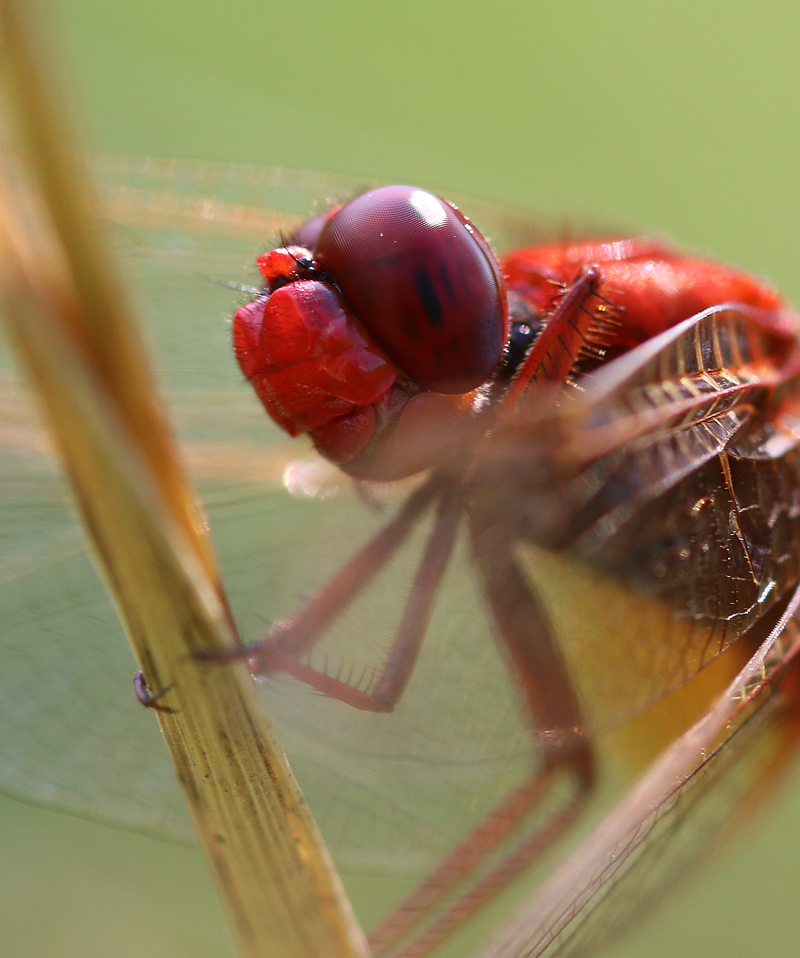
(468, 856)
(570, 330)
(490, 884)
(299, 634)
(408, 639)
(419, 607)
(554, 354)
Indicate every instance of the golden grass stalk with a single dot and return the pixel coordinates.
(69, 321)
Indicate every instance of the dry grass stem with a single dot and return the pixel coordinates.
(69, 321)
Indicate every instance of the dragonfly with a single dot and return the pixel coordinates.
(474, 774)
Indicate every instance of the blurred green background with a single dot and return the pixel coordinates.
(675, 118)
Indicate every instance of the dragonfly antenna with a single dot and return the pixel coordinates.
(253, 290)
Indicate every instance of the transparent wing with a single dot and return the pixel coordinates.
(721, 764)
(388, 797)
(393, 794)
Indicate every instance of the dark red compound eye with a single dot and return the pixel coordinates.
(424, 283)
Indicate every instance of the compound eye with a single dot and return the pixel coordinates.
(423, 281)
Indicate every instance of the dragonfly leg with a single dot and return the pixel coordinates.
(553, 356)
(282, 649)
(299, 634)
(466, 858)
(386, 691)
(426, 918)
(150, 699)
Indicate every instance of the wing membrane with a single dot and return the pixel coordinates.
(591, 895)
(680, 522)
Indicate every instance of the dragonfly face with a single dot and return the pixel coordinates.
(663, 491)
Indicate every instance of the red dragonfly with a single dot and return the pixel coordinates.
(615, 403)
(620, 448)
